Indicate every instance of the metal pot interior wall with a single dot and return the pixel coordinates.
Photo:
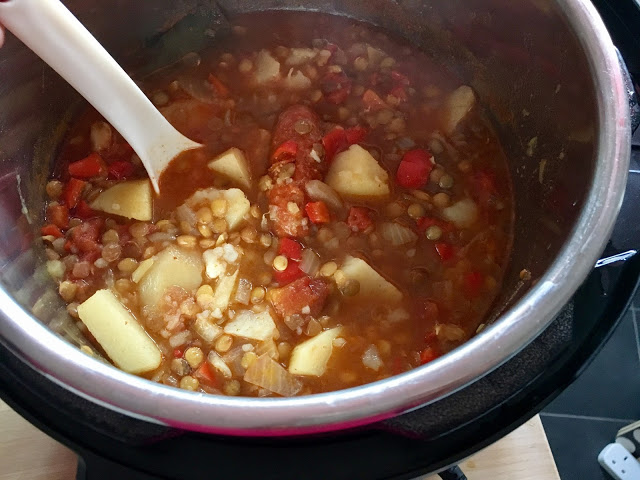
(528, 68)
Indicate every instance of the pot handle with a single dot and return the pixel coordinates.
(634, 108)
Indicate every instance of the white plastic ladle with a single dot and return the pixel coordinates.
(56, 36)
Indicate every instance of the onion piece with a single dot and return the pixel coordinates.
(371, 358)
(269, 374)
(321, 192)
(218, 364)
(310, 262)
(243, 291)
(463, 213)
(397, 234)
(198, 90)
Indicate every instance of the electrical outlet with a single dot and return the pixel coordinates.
(619, 463)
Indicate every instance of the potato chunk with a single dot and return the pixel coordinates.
(119, 333)
(372, 284)
(233, 165)
(267, 67)
(355, 173)
(128, 199)
(456, 108)
(256, 326)
(311, 357)
(172, 267)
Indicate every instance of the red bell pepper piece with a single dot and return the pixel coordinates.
(425, 222)
(372, 101)
(428, 354)
(445, 251)
(359, 219)
(317, 212)
(220, 88)
(177, 353)
(472, 283)
(58, 215)
(288, 275)
(290, 249)
(120, 170)
(334, 142)
(83, 210)
(52, 230)
(73, 192)
(205, 373)
(414, 169)
(286, 151)
(90, 166)
(355, 134)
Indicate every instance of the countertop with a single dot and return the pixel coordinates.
(28, 454)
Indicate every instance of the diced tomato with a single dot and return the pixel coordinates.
(290, 249)
(334, 142)
(445, 251)
(177, 353)
(336, 87)
(414, 169)
(359, 219)
(58, 215)
(205, 373)
(355, 134)
(91, 166)
(52, 230)
(73, 192)
(120, 170)
(288, 275)
(399, 78)
(83, 210)
(472, 283)
(220, 88)
(372, 101)
(317, 212)
(304, 292)
(85, 236)
(286, 151)
(428, 354)
(400, 93)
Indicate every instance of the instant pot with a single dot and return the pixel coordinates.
(545, 70)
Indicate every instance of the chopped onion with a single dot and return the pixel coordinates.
(320, 191)
(267, 373)
(243, 292)
(397, 234)
(449, 332)
(217, 363)
(371, 358)
(463, 213)
(297, 80)
(198, 89)
(100, 136)
(310, 263)
(180, 338)
(161, 237)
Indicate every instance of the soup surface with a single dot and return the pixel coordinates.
(349, 217)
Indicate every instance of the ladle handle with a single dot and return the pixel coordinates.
(49, 29)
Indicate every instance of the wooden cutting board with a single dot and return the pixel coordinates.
(28, 454)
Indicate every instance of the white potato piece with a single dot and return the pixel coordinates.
(233, 165)
(463, 214)
(299, 56)
(172, 267)
(119, 333)
(267, 67)
(238, 207)
(355, 173)
(256, 326)
(224, 289)
(456, 108)
(131, 199)
(311, 356)
(372, 284)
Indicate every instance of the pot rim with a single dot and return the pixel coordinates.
(105, 385)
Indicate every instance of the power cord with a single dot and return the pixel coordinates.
(452, 473)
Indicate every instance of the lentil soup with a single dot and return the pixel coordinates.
(349, 218)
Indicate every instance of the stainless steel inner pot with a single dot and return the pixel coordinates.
(546, 72)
